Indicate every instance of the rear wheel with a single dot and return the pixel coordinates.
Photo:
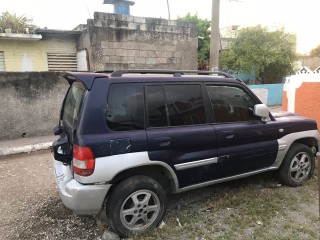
(136, 204)
(297, 166)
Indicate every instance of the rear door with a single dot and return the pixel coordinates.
(71, 108)
(244, 142)
(125, 119)
(69, 116)
(179, 132)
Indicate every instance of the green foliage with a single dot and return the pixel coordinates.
(269, 53)
(315, 52)
(202, 27)
(17, 24)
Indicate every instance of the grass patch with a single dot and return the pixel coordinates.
(253, 208)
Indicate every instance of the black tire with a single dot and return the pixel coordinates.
(297, 166)
(147, 212)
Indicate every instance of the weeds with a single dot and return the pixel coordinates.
(252, 208)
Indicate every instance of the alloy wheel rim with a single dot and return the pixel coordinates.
(140, 210)
(300, 167)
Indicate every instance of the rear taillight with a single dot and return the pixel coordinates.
(83, 161)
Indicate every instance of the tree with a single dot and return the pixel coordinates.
(315, 52)
(17, 24)
(202, 27)
(269, 53)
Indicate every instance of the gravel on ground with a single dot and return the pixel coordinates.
(253, 208)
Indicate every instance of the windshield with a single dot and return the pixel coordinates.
(72, 104)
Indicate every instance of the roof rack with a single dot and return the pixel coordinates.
(176, 73)
(105, 71)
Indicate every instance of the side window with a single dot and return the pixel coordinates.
(231, 104)
(125, 107)
(185, 105)
(175, 105)
(157, 110)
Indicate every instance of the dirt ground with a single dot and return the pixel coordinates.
(30, 205)
(251, 208)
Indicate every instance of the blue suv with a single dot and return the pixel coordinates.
(129, 138)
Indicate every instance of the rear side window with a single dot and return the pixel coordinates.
(175, 105)
(125, 107)
(72, 104)
(157, 109)
(231, 104)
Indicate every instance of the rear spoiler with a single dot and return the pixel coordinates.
(85, 78)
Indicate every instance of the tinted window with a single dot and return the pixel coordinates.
(175, 105)
(72, 104)
(156, 106)
(231, 104)
(125, 107)
(185, 105)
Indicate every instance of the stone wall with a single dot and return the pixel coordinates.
(117, 41)
(30, 103)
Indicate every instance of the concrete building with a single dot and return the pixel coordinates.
(115, 41)
(312, 62)
(39, 51)
(107, 42)
(227, 36)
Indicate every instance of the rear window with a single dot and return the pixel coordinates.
(72, 104)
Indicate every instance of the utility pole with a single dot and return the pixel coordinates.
(168, 9)
(215, 36)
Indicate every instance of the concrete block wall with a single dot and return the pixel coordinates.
(116, 41)
(30, 103)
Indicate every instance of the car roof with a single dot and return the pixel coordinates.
(87, 78)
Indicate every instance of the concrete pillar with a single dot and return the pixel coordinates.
(215, 36)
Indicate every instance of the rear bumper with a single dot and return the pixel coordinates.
(80, 198)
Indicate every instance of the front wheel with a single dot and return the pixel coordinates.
(135, 205)
(297, 166)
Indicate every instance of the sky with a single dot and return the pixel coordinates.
(299, 17)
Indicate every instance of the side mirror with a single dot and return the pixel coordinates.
(261, 110)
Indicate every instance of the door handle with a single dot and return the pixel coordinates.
(223, 158)
(228, 134)
(162, 141)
